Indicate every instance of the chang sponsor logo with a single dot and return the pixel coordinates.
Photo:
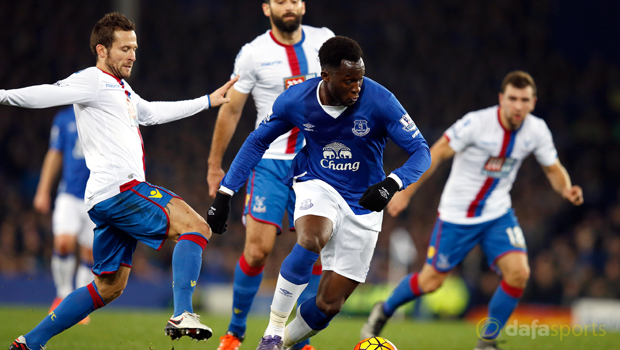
(335, 155)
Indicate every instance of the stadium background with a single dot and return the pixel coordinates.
(440, 58)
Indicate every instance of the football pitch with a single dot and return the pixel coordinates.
(137, 329)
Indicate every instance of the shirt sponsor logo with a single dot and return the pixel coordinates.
(498, 167)
(113, 86)
(298, 79)
(408, 124)
(360, 127)
(334, 153)
(60, 84)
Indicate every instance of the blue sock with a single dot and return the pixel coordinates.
(186, 263)
(309, 292)
(503, 303)
(297, 266)
(245, 286)
(314, 317)
(312, 287)
(407, 290)
(77, 305)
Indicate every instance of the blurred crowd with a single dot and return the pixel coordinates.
(440, 58)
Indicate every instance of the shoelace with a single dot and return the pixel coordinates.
(196, 317)
(268, 340)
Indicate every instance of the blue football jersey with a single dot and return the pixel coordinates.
(64, 138)
(345, 151)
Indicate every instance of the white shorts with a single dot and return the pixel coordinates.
(354, 237)
(71, 218)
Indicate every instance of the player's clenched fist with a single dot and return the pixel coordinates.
(573, 194)
(377, 196)
(218, 213)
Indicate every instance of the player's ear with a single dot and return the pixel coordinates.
(499, 98)
(325, 76)
(102, 51)
(303, 8)
(266, 9)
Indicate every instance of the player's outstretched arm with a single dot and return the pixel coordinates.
(225, 126)
(561, 183)
(160, 112)
(218, 97)
(49, 174)
(440, 151)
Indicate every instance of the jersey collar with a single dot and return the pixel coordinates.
(120, 81)
(303, 37)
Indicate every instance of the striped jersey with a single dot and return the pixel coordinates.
(108, 114)
(268, 67)
(64, 139)
(486, 162)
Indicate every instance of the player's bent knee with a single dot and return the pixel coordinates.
(518, 277)
(430, 279)
(310, 241)
(202, 228)
(110, 293)
(255, 255)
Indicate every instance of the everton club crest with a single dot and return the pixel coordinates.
(360, 127)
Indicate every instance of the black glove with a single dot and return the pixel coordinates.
(218, 213)
(377, 196)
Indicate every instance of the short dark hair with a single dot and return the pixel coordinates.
(339, 48)
(520, 80)
(103, 33)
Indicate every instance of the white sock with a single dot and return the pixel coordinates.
(284, 300)
(84, 276)
(63, 270)
(297, 331)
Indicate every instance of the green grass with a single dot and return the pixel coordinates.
(138, 329)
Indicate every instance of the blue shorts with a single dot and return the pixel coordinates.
(136, 214)
(450, 243)
(267, 196)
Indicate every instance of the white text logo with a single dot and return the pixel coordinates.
(334, 152)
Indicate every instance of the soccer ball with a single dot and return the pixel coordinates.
(375, 343)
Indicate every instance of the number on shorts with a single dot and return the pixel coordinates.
(515, 235)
